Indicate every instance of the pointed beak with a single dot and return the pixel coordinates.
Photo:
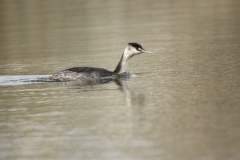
(145, 51)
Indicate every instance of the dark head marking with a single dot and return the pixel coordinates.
(135, 45)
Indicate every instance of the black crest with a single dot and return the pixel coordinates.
(136, 45)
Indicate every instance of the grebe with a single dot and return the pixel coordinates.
(90, 73)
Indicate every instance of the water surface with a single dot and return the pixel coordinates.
(182, 104)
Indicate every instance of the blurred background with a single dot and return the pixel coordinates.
(184, 102)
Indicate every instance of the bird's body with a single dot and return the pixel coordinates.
(83, 74)
(91, 73)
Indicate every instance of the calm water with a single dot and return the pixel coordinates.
(184, 102)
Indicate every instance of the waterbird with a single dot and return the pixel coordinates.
(92, 73)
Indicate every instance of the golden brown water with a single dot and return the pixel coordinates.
(184, 102)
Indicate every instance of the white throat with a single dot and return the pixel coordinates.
(124, 63)
(127, 54)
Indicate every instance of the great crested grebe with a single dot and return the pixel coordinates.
(90, 73)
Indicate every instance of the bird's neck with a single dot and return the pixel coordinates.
(122, 65)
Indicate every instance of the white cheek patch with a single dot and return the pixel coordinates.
(140, 49)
